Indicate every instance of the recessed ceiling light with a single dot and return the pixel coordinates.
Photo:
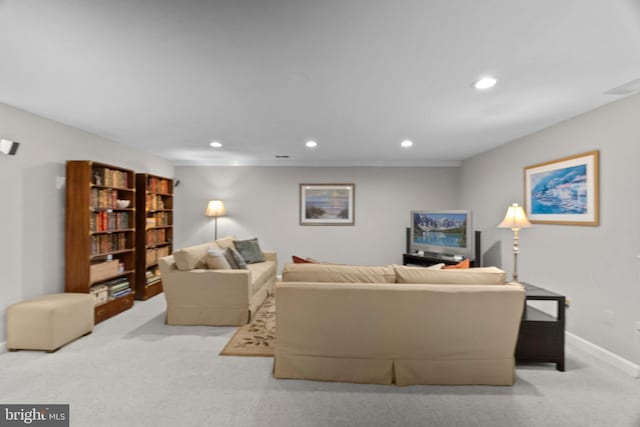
(406, 143)
(485, 83)
(311, 144)
(215, 144)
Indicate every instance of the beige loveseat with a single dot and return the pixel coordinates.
(356, 324)
(215, 297)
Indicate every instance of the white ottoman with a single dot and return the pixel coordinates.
(49, 322)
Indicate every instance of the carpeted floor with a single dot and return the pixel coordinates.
(258, 338)
(136, 371)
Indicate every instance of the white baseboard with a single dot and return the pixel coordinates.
(3, 346)
(606, 356)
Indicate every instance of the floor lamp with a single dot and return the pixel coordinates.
(215, 208)
(515, 219)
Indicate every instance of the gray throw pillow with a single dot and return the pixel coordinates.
(216, 260)
(250, 250)
(234, 259)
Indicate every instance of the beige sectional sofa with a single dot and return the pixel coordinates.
(201, 296)
(356, 324)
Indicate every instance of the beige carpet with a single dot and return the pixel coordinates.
(257, 338)
(173, 369)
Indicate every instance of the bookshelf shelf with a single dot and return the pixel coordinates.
(105, 254)
(124, 230)
(99, 235)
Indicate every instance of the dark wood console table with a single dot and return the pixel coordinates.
(426, 260)
(541, 337)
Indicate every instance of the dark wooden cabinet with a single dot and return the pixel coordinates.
(425, 261)
(541, 337)
(154, 225)
(100, 234)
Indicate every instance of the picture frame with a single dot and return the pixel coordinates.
(564, 191)
(327, 204)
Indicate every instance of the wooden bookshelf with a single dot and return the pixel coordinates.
(154, 222)
(100, 235)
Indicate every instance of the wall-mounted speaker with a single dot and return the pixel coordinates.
(8, 147)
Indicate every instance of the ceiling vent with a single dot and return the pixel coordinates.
(625, 89)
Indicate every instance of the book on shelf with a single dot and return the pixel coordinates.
(158, 185)
(152, 276)
(155, 237)
(154, 280)
(154, 202)
(116, 281)
(117, 288)
(103, 198)
(104, 243)
(109, 221)
(121, 293)
(110, 178)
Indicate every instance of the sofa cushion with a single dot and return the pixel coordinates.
(216, 260)
(225, 242)
(337, 273)
(250, 250)
(192, 257)
(308, 260)
(471, 276)
(261, 272)
(234, 259)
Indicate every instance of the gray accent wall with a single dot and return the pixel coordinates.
(263, 202)
(32, 193)
(596, 267)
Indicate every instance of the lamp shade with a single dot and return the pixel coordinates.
(515, 218)
(215, 208)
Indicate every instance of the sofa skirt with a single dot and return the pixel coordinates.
(399, 372)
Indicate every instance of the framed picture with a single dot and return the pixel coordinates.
(563, 191)
(327, 204)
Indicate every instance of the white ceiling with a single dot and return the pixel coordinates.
(357, 76)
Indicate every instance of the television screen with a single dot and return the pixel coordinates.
(441, 229)
(445, 232)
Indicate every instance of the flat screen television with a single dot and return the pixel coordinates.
(442, 233)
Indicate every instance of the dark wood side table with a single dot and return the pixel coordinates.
(541, 337)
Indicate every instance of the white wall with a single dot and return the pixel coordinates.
(264, 202)
(32, 199)
(596, 267)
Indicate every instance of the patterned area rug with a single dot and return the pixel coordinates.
(258, 338)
